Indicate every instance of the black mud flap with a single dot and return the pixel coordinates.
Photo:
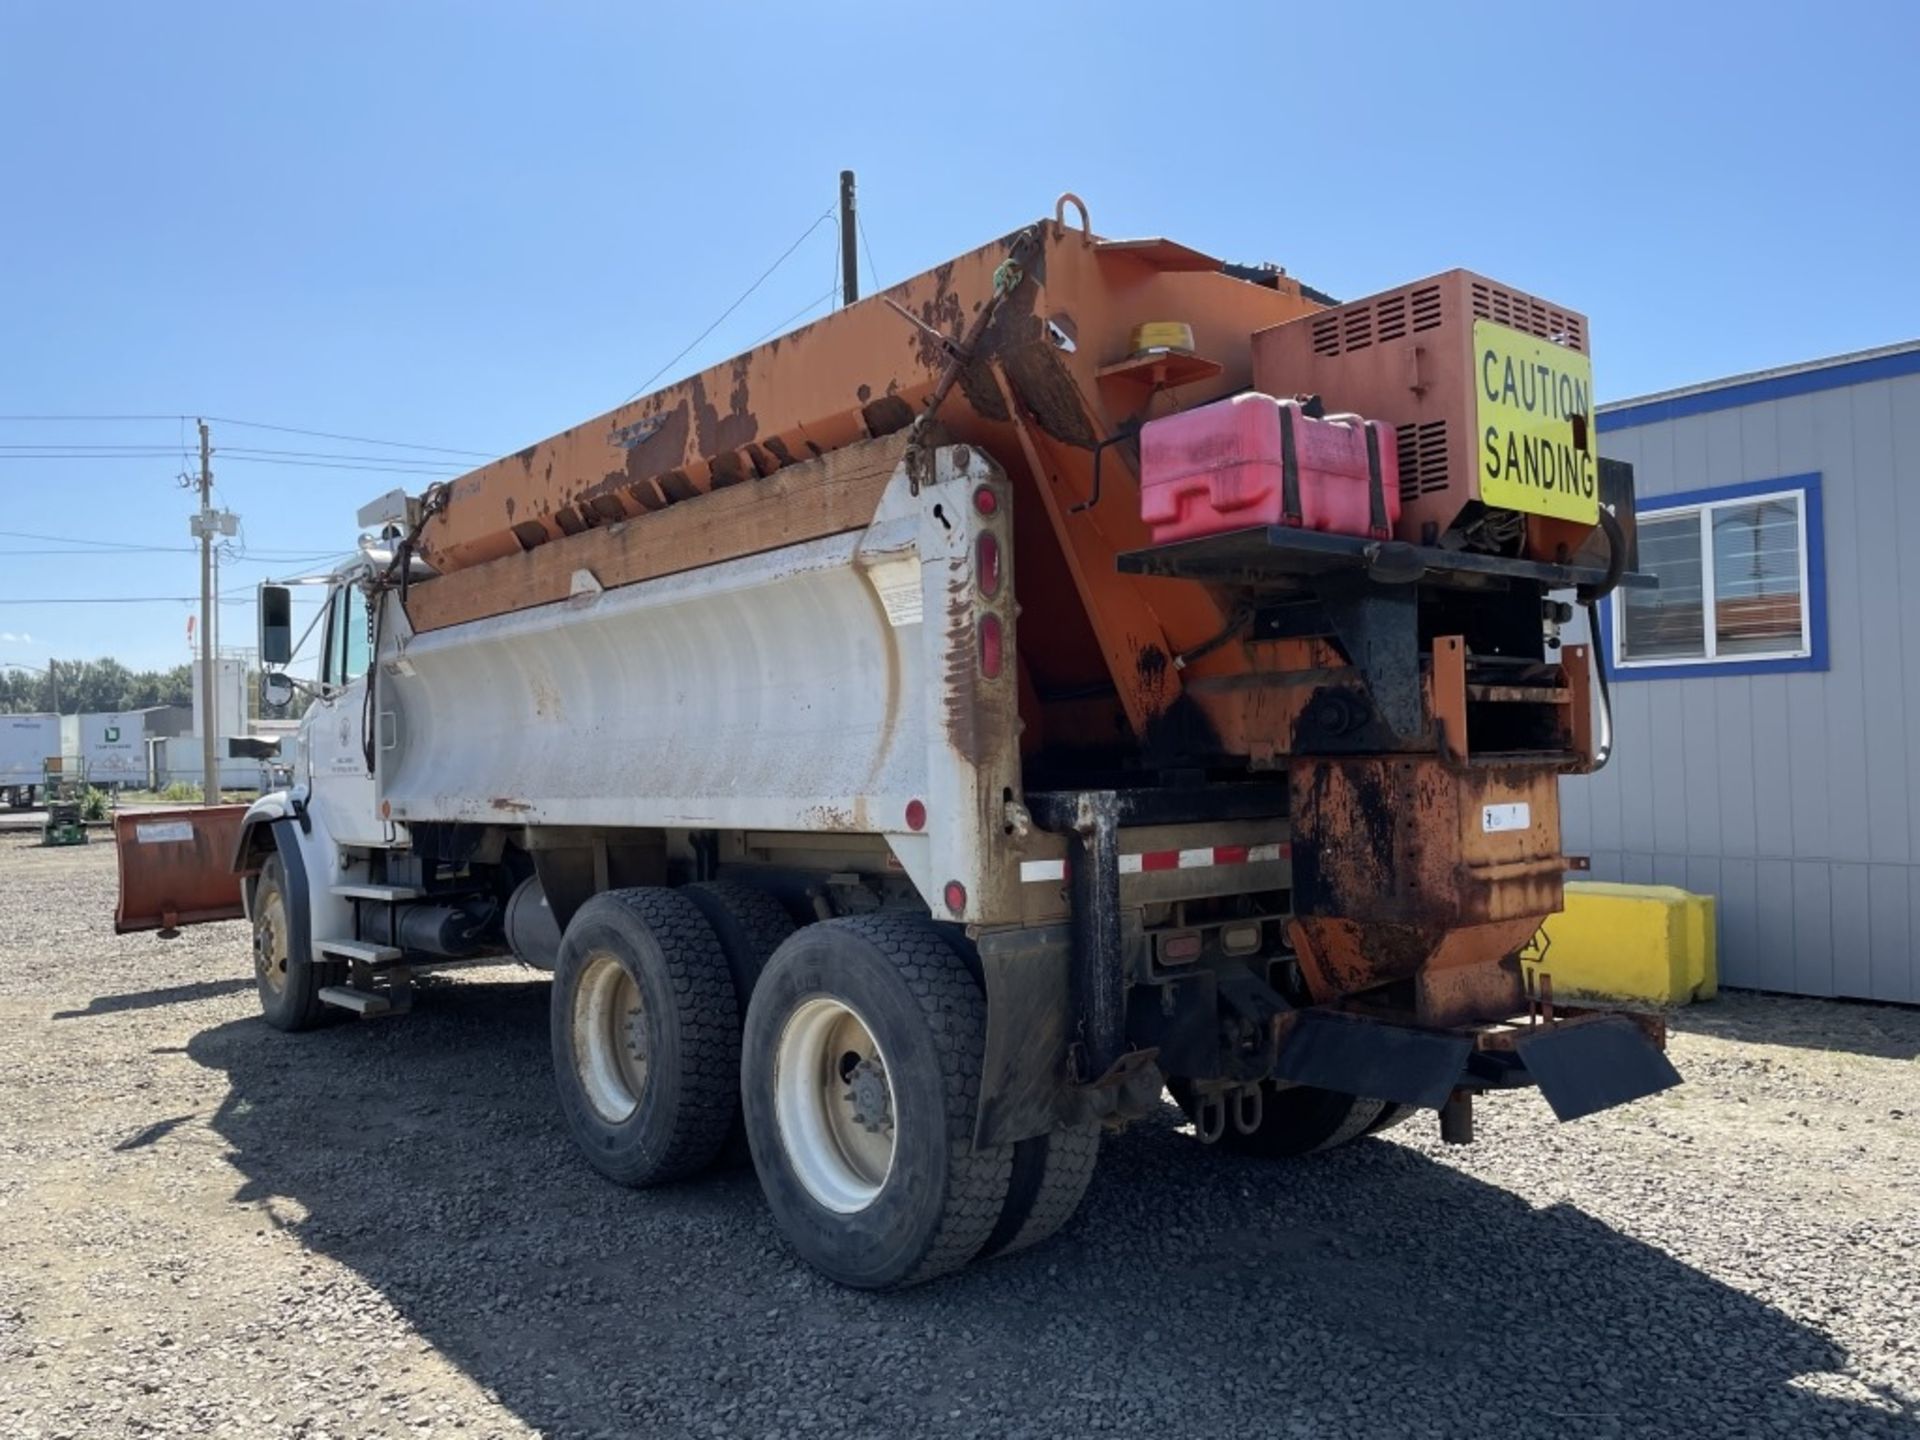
(1585, 1068)
(1381, 1062)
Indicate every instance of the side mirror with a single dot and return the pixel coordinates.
(276, 692)
(276, 628)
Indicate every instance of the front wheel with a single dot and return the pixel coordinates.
(289, 983)
(860, 1077)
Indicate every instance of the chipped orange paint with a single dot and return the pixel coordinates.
(1035, 405)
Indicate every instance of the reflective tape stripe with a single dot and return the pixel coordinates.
(1039, 871)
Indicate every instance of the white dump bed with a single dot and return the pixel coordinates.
(862, 683)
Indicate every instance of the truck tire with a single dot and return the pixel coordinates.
(1294, 1120)
(751, 925)
(646, 1036)
(1050, 1177)
(1391, 1114)
(860, 1076)
(289, 984)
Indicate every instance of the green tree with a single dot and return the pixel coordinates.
(94, 685)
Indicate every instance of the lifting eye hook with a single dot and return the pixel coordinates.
(1210, 1118)
(1249, 1108)
(1067, 197)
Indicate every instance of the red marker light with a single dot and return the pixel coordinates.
(916, 815)
(985, 501)
(990, 646)
(956, 897)
(986, 565)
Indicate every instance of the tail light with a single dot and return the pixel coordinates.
(990, 646)
(986, 565)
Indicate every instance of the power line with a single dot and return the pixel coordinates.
(251, 425)
(354, 439)
(647, 384)
(808, 308)
(110, 600)
(334, 465)
(860, 222)
(331, 455)
(402, 467)
(91, 418)
(103, 452)
(118, 546)
(72, 540)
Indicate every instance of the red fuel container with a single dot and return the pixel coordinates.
(1254, 460)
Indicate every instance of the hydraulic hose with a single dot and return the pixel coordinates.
(1591, 596)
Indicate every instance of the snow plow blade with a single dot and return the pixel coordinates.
(176, 867)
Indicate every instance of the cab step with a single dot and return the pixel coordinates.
(364, 1003)
(373, 890)
(364, 952)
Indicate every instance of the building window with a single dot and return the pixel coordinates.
(1741, 584)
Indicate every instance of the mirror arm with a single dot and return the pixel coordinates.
(311, 688)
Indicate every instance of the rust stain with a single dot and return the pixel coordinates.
(727, 469)
(834, 818)
(664, 449)
(946, 313)
(887, 414)
(716, 432)
(501, 802)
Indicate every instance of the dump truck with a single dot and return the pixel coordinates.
(1086, 672)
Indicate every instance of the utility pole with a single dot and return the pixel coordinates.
(209, 693)
(849, 242)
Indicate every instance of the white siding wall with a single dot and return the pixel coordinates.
(1789, 797)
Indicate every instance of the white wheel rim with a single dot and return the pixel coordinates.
(609, 1038)
(270, 940)
(829, 1079)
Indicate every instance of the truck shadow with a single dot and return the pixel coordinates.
(1370, 1291)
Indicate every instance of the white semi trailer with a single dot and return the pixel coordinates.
(832, 729)
(27, 742)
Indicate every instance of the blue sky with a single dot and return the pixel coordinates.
(472, 225)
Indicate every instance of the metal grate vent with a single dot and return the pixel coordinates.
(1390, 319)
(1326, 334)
(1426, 308)
(1524, 313)
(1423, 459)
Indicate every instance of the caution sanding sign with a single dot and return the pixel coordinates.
(1538, 451)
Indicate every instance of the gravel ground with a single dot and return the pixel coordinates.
(210, 1228)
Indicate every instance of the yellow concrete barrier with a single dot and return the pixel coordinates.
(1644, 944)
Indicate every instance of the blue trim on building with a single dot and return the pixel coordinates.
(1816, 597)
(1753, 392)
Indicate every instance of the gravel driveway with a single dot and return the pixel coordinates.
(210, 1228)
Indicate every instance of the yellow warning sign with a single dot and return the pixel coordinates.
(1538, 451)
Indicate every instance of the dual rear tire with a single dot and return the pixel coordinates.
(858, 1078)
